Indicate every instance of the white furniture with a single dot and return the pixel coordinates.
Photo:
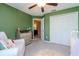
(17, 50)
(75, 43)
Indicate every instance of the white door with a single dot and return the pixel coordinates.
(42, 28)
(61, 27)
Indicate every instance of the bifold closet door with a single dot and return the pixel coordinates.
(61, 27)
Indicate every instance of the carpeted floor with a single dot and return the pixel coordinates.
(39, 48)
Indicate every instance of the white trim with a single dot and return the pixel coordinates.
(33, 28)
(54, 43)
(47, 41)
(42, 30)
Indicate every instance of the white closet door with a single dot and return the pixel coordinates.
(61, 27)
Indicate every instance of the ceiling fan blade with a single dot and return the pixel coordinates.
(32, 6)
(52, 4)
(42, 9)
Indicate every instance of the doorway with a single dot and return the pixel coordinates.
(37, 28)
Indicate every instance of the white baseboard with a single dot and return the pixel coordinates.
(55, 43)
(46, 41)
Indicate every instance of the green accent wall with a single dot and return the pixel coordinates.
(12, 18)
(47, 19)
(46, 27)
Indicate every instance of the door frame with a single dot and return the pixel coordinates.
(33, 28)
(40, 26)
(42, 31)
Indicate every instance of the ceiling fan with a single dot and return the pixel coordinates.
(42, 5)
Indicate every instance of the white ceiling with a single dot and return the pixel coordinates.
(36, 11)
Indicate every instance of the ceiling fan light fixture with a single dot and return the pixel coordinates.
(41, 4)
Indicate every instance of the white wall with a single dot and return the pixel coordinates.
(61, 27)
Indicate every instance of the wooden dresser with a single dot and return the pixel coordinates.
(26, 35)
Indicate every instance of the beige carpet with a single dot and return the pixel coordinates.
(39, 48)
(47, 52)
